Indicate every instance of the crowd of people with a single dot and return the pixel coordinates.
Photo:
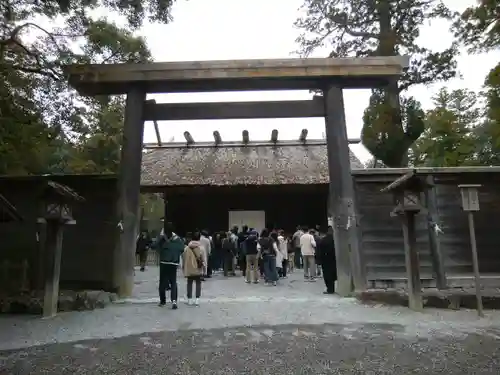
(269, 256)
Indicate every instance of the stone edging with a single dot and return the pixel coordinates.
(68, 301)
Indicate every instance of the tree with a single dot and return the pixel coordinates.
(478, 28)
(99, 152)
(488, 133)
(386, 141)
(382, 28)
(46, 127)
(23, 134)
(449, 139)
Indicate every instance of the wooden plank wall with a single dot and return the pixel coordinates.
(382, 236)
(87, 259)
(455, 241)
(382, 239)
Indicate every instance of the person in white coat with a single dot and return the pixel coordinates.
(206, 249)
(283, 250)
(308, 251)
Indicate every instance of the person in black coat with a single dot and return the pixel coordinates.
(328, 261)
(317, 256)
(242, 257)
(142, 246)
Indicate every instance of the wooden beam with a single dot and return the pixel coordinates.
(345, 222)
(246, 136)
(189, 138)
(400, 181)
(166, 211)
(284, 143)
(157, 131)
(217, 137)
(129, 189)
(234, 110)
(274, 136)
(155, 123)
(230, 75)
(303, 135)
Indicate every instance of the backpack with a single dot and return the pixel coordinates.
(250, 245)
(266, 246)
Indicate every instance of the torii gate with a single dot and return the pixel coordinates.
(325, 74)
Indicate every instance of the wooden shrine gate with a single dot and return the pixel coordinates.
(328, 75)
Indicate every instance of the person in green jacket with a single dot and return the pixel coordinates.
(170, 247)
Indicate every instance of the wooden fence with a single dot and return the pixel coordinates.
(381, 235)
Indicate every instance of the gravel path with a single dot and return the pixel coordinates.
(251, 329)
(286, 349)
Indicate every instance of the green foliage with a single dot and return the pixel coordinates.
(378, 28)
(100, 151)
(449, 139)
(478, 27)
(382, 28)
(488, 132)
(383, 136)
(153, 209)
(46, 126)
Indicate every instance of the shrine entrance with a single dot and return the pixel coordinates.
(330, 76)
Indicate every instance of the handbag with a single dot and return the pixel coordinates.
(199, 261)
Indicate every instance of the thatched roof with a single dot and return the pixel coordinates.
(237, 165)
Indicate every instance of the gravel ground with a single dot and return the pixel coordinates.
(251, 329)
(286, 349)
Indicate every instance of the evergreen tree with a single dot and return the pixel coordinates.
(478, 28)
(382, 28)
(449, 139)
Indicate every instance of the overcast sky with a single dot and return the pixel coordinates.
(263, 29)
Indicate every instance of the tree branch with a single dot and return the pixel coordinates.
(39, 71)
(13, 37)
(342, 21)
(41, 64)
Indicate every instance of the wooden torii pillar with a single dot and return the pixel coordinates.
(129, 189)
(341, 195)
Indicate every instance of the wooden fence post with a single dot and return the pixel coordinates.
(434, 245)
(412, 262)
(52, 267)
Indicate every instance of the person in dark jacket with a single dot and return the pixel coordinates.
(142, 246)
(317, 255)
(268, 249)
(251, 255)
(217, 251)
(328, 261)
(170, 247)
(228, 254)
(242, 236)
